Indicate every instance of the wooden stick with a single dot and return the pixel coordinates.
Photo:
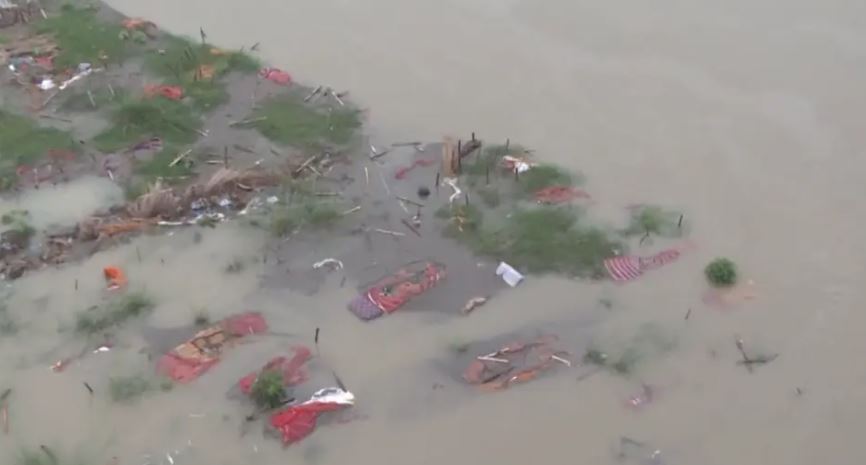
(225, 156)
(180, 157)
(138, 254)
(409, 201)
(391, 233)
(351, 210)
(90, 96)
(411, 228)
(313, 93)
(306, 163)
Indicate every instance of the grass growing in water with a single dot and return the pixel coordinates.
(268, 391)
(83, 38)
(158, 167)
(23, 142)
(116, 313)
(721, 272)
(308, 214)
(198, 68)
(291, 122)
(650, 219)
(136, 120)
(128, 389)
(541, 176)
(544, 239)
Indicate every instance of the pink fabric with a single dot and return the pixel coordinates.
(631, 267)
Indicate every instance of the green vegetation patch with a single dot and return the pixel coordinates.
(128, 389)
(287, 120)
(543, 239)
(198, 69)
(23, 142)
(721, 272)
(136, 120)
(653, 220)
(116, 313)
(83, 38)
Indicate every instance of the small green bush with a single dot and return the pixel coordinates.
(721, 272)
(268, 391)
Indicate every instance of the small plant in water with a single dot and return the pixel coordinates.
(235, 266)
(268, 391)
(128, 389)
(721, 272)
(96, 320)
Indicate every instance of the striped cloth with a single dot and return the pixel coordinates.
(630, 267)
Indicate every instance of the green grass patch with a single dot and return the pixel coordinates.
(721, 272)
(84, 38)
(268, 391)
(624, 358)
(135, 120)
(116, 313)
(541, 176)
(128, 389)
(648, 220)
(79, 102)
(198, 69)
(542, 239)
(289, 121)
(309, 214)
(158, 167)
(23, 142)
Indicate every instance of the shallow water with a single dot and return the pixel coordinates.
(746, 116)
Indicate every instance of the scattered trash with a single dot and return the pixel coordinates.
(276, 75)
(191, 359)
(630, 267)
(516, 362)
(169, 92)
(453, 183)
(47, 84)
(332, 263)
(84, 70)
(296, 422)
(515, 164)
(114, 277)
(291, 369)
(511, 276)
(403, 171)
(394, 291)
(473, 303)
(554, 195)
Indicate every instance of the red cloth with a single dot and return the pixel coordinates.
(299, 421)
(169, 92)
(630, 267)
(276, 75)
(183, 370)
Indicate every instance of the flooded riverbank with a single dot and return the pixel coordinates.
(743, 117)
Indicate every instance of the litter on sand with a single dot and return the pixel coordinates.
(392, 292)
(516, 362)
(296, 422)
(191, 359)
(275, 75)
(515, 164)
(472, 304)
(511, 276)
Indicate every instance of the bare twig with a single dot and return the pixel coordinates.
(411, 228)
(390, 233)
(312, 94)
(248, 121)
(180, 157)
(351, 210)
(410, 201)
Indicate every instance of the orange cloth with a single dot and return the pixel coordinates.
(114, 277)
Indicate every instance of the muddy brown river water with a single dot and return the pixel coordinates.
(748, 116)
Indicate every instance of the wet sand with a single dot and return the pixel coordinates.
(744, 116)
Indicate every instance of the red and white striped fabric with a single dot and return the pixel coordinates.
(630, 267)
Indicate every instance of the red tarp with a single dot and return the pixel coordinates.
(298, 421)
(191, 359)
(291, 368)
